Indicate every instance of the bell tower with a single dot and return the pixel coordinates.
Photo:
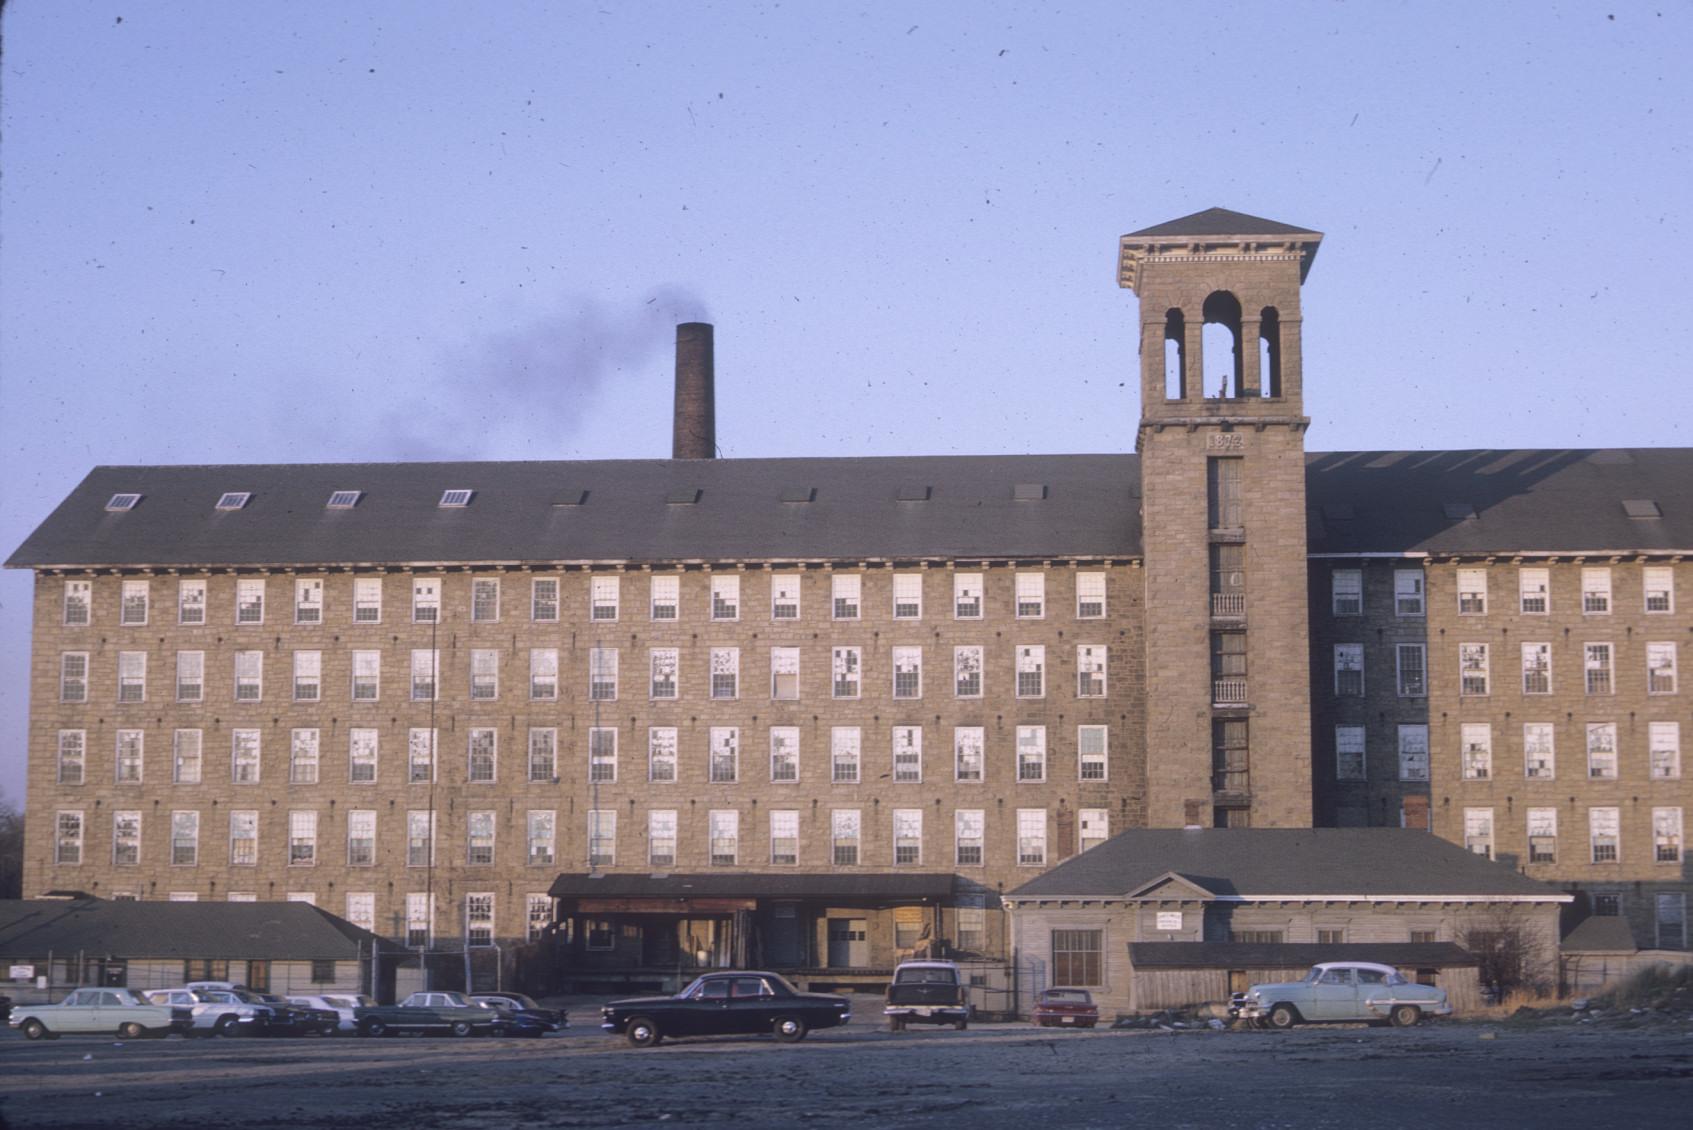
(1222, 458)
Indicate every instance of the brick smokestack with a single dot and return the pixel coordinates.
(696, 397)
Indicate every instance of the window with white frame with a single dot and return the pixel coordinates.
(1603, 835)
(725, 672)
(1031, 837)
(967, 671)
(1093, 827)
(1534, 591)
(1349, 753)
(1091, 745)
(664, 664)
(479, 919)
(1539, 751)
(845, 664)
(1090, 671)
(308, 600)
(602, 674)
(1658, 582)
(543, 674)
(969, 836)
(244, 757)
(1596, 660)
(725, 596)
(1660, 668)
(784, 754)
(541, 834)
(1030, 591)
(73, 756)
(602, 755)
(537, 915)
(723, 830)
(308, 676)
(543, 753)
(420, 837)
(126, 838)
(425, 673)
(1090, 596)
(1031, 671)
(665, 597)
(67, 837)
(1031, 754)
(661, 754)
(661, 837)
(1478, 831)
(1413, 753)
(908, 596)
(784, 837)
(844, 591)
(908, 754)
(1671, 920)
(484, 674)
(250, 600)
(1472, 592)
(79, 598)
(603, 595)
(302, 838)
(1537, 668)
(130, 756)
(362, 754)
(367, 600)
(132, 676)
(1349, 669)
(73, 676)
(968, 753)
(1602, 750)
(784, 596)
(844, 835)
(1543, 835)
(1663, 750)
(361, 909)
(426, 600)
(479, 839)
(844, 755)
(420, 755)
(484, 600)
(1666, 835)
(1411, 665)
(908, 672)
(243, 838)
(543, 600)
(724, 759)
(420, 920)
(303, 757)
(1473, 673)
(908, 836)
(967, 596)
(132, 606)
(784, 673)
(1408, 592)
(482, 756)
(1596, 591)
(185, 838)
(190, 676)
(1475, 750)
(367, 675)
(191, 601)
(1346, 592)
(361, 837)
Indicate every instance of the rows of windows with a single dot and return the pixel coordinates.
(720, 838)
(605, 598)
(972, 757)
(1594, 596)
(1476, 669)
(1478, 760)
(723, 674)
(1604, 834)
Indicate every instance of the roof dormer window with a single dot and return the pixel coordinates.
(233, 500)
(343, 499)
(453, 499)
(120, 502)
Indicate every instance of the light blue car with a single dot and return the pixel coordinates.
(1341, 990)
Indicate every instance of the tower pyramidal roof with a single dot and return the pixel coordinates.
(1221, 221)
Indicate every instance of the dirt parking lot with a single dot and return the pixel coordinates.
(1550, 1074)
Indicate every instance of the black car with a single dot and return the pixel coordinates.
(521, 1016)
(291, 1019)
(719, 1004)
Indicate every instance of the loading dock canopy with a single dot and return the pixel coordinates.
(1295, 955)
(710, 893)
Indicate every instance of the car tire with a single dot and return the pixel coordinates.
(896, 1024)
(1404, 1016)
(960, 1025)
(789, 1029)
(33, 1029)
(642, 1032)
(226, 1026)
(460, 1028)
(131, 1030)
(373, 1027)
(1283, 1016)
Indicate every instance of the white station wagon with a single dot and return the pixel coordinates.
(1341, 990)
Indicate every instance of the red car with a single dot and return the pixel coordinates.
(1065, 1008)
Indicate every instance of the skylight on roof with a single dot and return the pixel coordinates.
(1641, 508)
(122, 501)
(1028, 492)
(343, 499)
(233, 500)
(455, 498)
(1459, 511)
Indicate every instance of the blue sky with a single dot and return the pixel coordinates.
(368, 231)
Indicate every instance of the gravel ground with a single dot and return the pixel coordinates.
(1550, 1073)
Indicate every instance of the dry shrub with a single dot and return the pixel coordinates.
(1654, 986)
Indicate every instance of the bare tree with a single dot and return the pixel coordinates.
(11, 849)
(1512, 956)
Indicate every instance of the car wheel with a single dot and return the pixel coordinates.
(373, 1028)
(896, 1024)
(226, 1026)
(960, 1025)
(460, 1028)
(1404, 1015)
(131, 1030)
(642, 1032)
(34, 1029)
(789, 1029)
(1283, 1016)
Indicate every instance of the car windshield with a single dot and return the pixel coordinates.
(925, 976)
(720, 986)
(521, 1000)
(1068, 996)
(1312, 977)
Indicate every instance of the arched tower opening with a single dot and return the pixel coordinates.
(1221, 345)
(1270, 351)
(1175, 356)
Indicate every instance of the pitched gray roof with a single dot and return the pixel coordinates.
(1269, 862)
(251, 931)
(730, 885)
(1219, 221)
(1600, 934)
(1294, 955)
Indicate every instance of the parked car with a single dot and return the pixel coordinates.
(1341, 990)
(1065, 1008)
(719, 1004)
(343, 1005)
(322, 1018)
(101, 1011)
(449, 1013)
(927, 992)
(215, 1012)
(523, 1017)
